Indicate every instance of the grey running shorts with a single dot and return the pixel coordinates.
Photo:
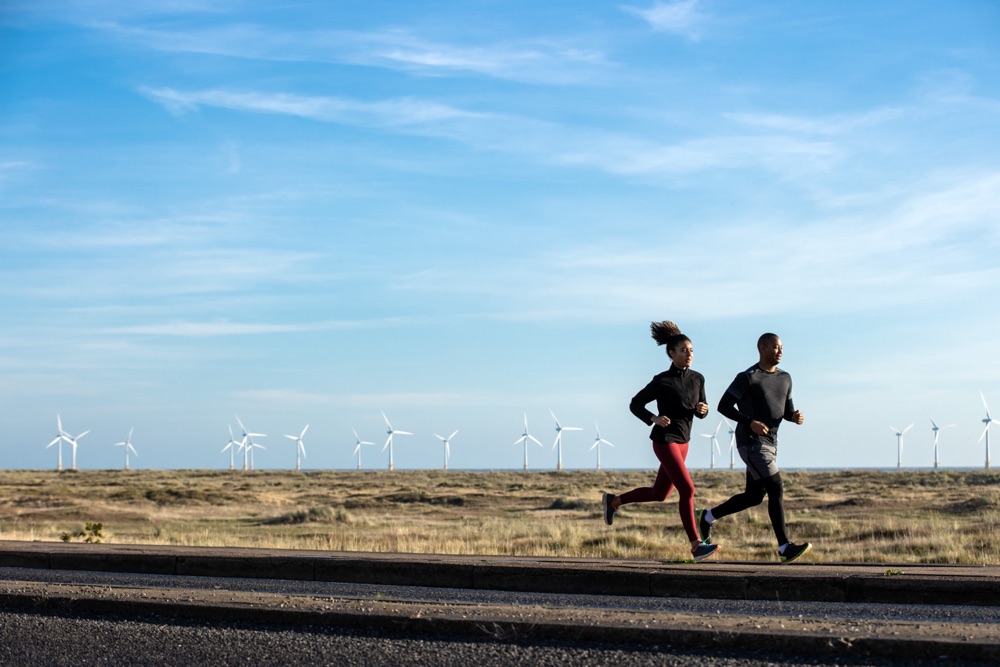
(761, 460)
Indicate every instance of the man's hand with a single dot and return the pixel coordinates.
(701, 409)
(798, 417)
(760, 428)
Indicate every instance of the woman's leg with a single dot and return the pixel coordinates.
(647, 494)
(672, 456)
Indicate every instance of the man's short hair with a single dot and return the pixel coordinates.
(764, 338)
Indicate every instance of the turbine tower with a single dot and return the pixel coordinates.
(732, 444)
(251, 445)
(62, 437)
(899, 443)
(558, 443)
(715, 444)
(598, 441)
(247, 444)
(525, 437)
(936, 428)
(73, 443)
(128, 446)
(300, 448)
(388, 442)
(231, 446)
(447, 446)
(357, 449)
(986, 431)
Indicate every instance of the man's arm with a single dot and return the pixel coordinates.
(727, 404)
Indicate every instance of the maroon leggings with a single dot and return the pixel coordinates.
(672, 473)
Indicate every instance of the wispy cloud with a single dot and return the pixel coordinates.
(823, 125)
(226, 328)
(924, 250)
(683, 18)
(542, 60)
(399, 112)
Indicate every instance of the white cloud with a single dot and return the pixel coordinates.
(682, 18)
(399, 112)
(548, 61)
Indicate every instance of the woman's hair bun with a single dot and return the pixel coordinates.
(663, 331)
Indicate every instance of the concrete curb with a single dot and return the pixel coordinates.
(900, 583)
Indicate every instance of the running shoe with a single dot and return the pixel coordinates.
(794, 552)
(704, 527)
(703, 551)
(609, 511)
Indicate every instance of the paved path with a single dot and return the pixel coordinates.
(896, 585)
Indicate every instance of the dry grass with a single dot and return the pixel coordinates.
(854, 516)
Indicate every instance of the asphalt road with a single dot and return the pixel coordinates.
(74, 638)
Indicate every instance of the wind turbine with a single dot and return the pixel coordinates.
(247, 444)
(598, 441)
(127, 445)
(300, 448)
(732, 444)
(899, 443)
(388, 442)
(558, 443)
(447, 446)
(357, 449)
(63, 436)
(73, 442)
(251, 445)
(715, 444)
(525, 437)
(231, 446)
(986, 431)
(936, 428)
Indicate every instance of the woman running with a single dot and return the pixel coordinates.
(679, 393)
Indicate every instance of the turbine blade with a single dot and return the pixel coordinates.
(907, 428)
(535, 440)
(386, 420)
(982, 396)
(402, 433)
(453, 434)
(302, 435)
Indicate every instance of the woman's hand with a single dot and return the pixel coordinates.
(662, 420)
(701, 409)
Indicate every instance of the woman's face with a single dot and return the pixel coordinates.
(682, 354)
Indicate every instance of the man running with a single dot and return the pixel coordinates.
(758, 400)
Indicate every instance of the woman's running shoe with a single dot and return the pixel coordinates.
(703, 551)
(793, 552)
(609, 511)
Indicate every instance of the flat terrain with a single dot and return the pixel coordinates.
(850, 516)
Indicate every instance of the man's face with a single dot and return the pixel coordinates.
(770, 351)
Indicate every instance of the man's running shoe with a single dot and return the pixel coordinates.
(609, 511)
(794, 551)
(703, 551)
(704, 527)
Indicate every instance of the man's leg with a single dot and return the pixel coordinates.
(753, 495)
(775, 490)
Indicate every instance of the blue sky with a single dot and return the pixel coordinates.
(460, 213)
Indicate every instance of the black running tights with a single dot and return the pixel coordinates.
(753, 495)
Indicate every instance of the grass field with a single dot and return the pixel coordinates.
(852, 516)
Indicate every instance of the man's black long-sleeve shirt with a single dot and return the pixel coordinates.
(756, 395)
(676, 392)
